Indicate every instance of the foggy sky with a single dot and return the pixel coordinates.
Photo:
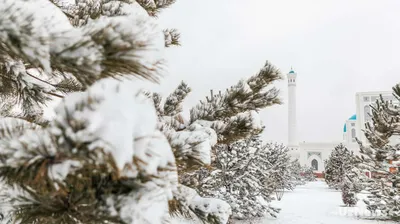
(337, 47)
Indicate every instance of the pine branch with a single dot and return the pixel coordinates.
(107, 47)
(154, 7)
(74, 171)
(238, 127)
(173, 103)
(172, 37)
(188, 203)
(246, 95)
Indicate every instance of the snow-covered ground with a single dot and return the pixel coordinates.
(315, 203)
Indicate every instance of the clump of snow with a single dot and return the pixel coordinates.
(34, 23)
(59, 172)
(206, 206)
(256, 120)
(148, 205)
(394, 140)
(195, 141)
(123, 129)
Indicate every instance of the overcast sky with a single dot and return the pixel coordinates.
(337, 47)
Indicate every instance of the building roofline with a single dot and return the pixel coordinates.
(374, 92)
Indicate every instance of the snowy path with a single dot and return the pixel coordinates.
(315, 203)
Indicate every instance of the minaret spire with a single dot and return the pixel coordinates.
(292, 115)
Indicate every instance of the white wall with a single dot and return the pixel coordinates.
(324, 149)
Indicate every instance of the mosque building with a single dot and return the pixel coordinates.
(313, 154)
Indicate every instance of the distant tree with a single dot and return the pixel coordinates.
(308, 173)
(239, 177)
(295, 171)
(340, 163)
(348, 192)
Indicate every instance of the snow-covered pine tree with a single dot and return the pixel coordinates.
(98, 161)
(52, 47)
(381, 155)
(248, 175)
(280, 178)
(242, 177)
(308, 174)
(349, 197)
(295, 171)
(222, 118)
(72, 48)
(340, 163)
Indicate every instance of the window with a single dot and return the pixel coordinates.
(353, 133)
(374, 98)
(314, 164)
(366, 98)
(353, 124)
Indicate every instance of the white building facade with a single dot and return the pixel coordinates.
(314, 154)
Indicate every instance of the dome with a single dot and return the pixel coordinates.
(291, 72)
(352, 118)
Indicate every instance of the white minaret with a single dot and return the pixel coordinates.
(292, 143)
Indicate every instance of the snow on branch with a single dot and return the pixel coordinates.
(39, 33)
(173, 103)
(153, 7)
(115, 158)
(209, 210)
(172, 37)
(192, 145)
(44, 56)
(238, 127)
(385, 121)
(82, 11)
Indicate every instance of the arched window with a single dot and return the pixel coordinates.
(367, 111)
(353, 133)
(314, 164)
